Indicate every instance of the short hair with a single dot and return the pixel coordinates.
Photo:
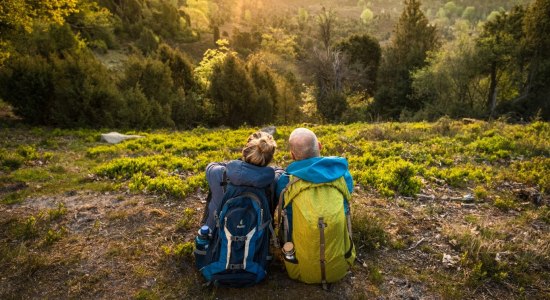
(303, 144)
(259, 149)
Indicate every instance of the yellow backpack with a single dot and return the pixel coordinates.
(314, 219)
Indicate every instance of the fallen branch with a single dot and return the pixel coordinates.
(415, 245)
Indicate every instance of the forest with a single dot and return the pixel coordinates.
(181, 64)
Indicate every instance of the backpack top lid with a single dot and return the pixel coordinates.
(321, 169)
(245, 174)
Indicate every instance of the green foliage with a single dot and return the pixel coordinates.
(180, 250)
(480, 193)
(16, 15)
(148, 41)
(375, 275)
(144, 294)
(451, 83)
(233, 93)
(95, 24)
(84, 93)
(364, 59)
(368, 231)
(26, 229)
(533, 172)
(367, 16)
(27, 84)
(504, 203)
(9, 161)
(57, 213)
(53, 236)
(414, 38)
(388, 176)
(187, 221)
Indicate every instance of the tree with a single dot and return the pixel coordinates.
(367, 16)
(413, 38)
(26, 82)
(451, 84)
(326, 21)
(153, 78)
(233, 93)
(329, 70)
(264, 83)
(180, 66)
(16, 15)
(536, 94)
(363, 52)
(85, 93)
(498, 44)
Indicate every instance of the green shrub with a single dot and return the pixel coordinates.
(368, 231)
(480, 193)
(57, 213)
(10, 162)
(399, 176)
(504, 203)
(180, 250)
(124, 168)
(187, 221)
(53, 236)
(85, 93)
(26, 83)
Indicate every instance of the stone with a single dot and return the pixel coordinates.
(270, 129)
(115, 137)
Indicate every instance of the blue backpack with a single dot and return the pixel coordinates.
(238, 250)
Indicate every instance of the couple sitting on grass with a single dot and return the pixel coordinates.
(309, 199)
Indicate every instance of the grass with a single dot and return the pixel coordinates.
(501, 243)
(392, 158)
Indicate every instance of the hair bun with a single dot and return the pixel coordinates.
(259, 149)
(263, 145)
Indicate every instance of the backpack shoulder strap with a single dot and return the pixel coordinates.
(292, 180)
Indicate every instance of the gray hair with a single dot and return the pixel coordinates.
(303, 144)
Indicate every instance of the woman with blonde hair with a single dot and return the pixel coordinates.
(232, 245)
(250, 170)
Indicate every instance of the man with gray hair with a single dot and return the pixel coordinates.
(309, 165)
(317, 244)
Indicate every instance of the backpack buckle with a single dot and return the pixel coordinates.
(238, 238)
(235, 267)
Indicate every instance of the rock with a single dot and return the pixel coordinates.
(468, 120)
(115, 137)
(450, 261)
(270, 129)
(468, 198)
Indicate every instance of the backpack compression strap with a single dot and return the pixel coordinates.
(322, 259)
(225, 180)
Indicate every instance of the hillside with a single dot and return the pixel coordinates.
(452, 210)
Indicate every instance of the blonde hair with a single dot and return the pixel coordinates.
(259, 149)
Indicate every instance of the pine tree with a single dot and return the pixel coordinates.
(413, 38)
(232, 93)
(537, 29)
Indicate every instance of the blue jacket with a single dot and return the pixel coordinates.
(239, 173)
(317, 170)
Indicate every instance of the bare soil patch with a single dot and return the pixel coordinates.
(112, 248)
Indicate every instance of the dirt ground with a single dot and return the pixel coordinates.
(112, 248)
